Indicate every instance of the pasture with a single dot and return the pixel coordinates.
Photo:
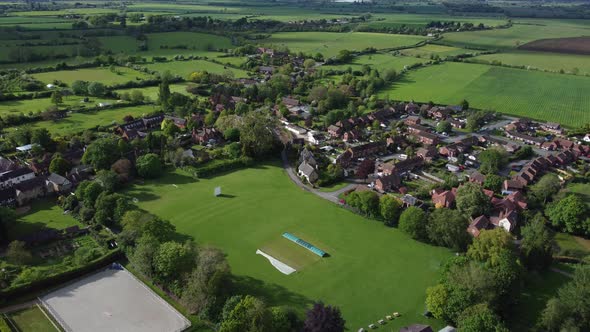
(432, 49)
(104, 75)
(387, 20)
(32, 106)
(534, 94)
(545, 61)
(330, 43)
(185, 68)
(151, 92)
(381, 269)
(379, 61)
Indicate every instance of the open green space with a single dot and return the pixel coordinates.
(381, 269)
(582, 189)
(32, 106)
(571, 245)
(185, 68)
(537, 289)
(31, 320)
(432, 49)
(379, 61)
(522, 32)
(151, 92)
(104, 75)
(569, 63)
(387, 20)
(76, 122)
(44, 213)
(330, 43)
(538, 95)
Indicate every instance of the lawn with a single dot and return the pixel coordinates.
(32, 106)
(31, 320)
(538, 95)
(151, 92)
(185, 68)
(575, 246)
(44, 213)
(380, 269)
(330, 43)
(545, 61)
(104, 75)
(582, 189)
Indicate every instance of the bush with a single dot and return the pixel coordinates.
(149, 166)
(220, 166)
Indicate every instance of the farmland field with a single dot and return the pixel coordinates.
(103, 75)
(385, 20)
(541, 60)
(32, 106)
(379, 61)
(538, 95)
(433, 49)
(185, 68)
(260, 204)
(151, 92)
(330, 43)
(575, 45)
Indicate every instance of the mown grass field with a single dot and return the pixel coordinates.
(371, 272)
(32, 106)
(151, 92)
(31, 320)
(103, 75)
(546, 61)
(330, 43)
(379, 61)
(386, 20)
(185, 68)
(432, 49)
(44, 213)
(534, 94)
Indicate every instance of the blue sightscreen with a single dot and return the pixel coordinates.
(304, 244)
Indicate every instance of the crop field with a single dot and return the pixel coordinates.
(522, 32)
(185, 68)
(381, 20)
(538, 95)
(379, 61)
(77, 122)
(330, 43)
(545, 61)
(432, 49)
(103, 75)
(574, 45)
(260, 204)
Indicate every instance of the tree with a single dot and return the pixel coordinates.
(569, 214)
(149, 166)
(489, 246)
(248, 315)
(309, 63)
(42, 136)
(173, 260)
(284, 319)
(436, 299)
(207, 286)
(56, 98)
(547, 186)
(101, 153)
(447, 227)
(123, 168)
(492, 160)
(232, 135)
(257, 134)
(464, 105)
(568, 311)
(537, 244)
(480, 318)
(18, 254)
(136, 96)
(413, 222)
(7, 217)
(108, 179)
(323, 318)
(471, 200)
(390, 209)
(366, 202)
(444, 127)
(169, 128)
(80, 87)
(142, 256)
(164, 92)
(97, 89)
(87, 192)
(59, 165)
(493, 182)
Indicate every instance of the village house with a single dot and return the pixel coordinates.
(527, 139)
(206, 135)
(314, 137)
(552, 127)
(335, 131)
(57, 184)
(477, 177)
(478, 224)
(402, 167)
(387, 183)
(8, 197)
(416, 128)
(457, 124)
(412, 120)
(7, 165)
(308, 172)
(29, 190)
(427, 138)
(427, 153)
(443, 198)
(367, 149)
(9, 178)
(178, 122)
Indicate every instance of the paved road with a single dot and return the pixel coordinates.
(330, 196)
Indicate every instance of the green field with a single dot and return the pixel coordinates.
(371, 272)
(32, 106)
(387, 20)
(185, 68)
(541, 60)
(575, 246)
(103, 75)
(31, 320)
(151, 92)
(43, 214)
(330, 43)
(77, 122)
(379, 61)
(534, 94)
(432, 49)
(520, 33)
